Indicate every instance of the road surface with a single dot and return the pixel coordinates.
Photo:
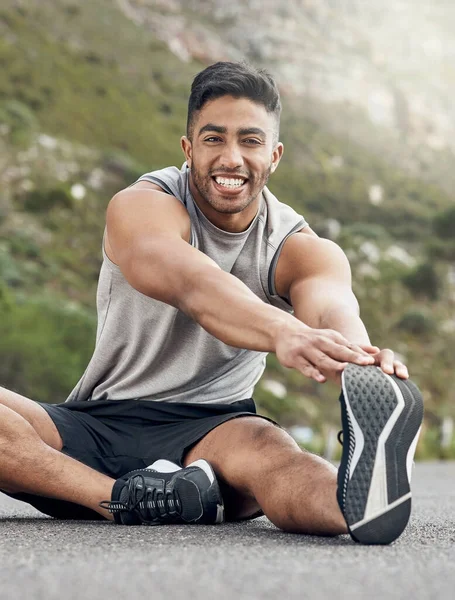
(44, 559)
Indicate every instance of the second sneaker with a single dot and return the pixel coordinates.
(166, 493)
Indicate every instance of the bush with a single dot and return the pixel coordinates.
(444, 224)
(10, 273)
(417, 323)
(41, 201)
(6, 301)
(23, 245)
(424, 281)
(44, 348)
(439, 249)
(20, 120)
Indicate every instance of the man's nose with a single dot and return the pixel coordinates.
(231, 156)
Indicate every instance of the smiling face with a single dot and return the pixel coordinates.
(231, 154)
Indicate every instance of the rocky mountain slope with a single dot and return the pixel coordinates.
(349, 63)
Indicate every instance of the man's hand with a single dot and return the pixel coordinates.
(321, 354)
(387, 361)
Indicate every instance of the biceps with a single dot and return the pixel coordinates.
(165, 268)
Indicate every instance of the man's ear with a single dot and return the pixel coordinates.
(187, 149)
(276, 156)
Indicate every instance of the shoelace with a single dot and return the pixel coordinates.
(152, 504)
(340, 437)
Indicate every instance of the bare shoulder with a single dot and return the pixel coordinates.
(304, 256)
(138, 214)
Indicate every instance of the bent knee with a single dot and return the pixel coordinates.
(244, 444)
(259, 435)
(17, 421)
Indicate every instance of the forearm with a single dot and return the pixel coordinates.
(230, 311)
(170, 270)
(324, 305)
(347, 321)
(227, 309)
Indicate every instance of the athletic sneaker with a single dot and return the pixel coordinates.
(381, 416)
(166, 493)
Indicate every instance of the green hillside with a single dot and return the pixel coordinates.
(88, 101)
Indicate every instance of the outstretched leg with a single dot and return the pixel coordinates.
(295, 489)
(381, 417)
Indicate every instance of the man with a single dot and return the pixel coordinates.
(204, 272)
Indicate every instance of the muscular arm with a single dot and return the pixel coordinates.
(147, 236)
(315, 274)
(148, 233)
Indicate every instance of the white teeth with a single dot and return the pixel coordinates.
(228, 182)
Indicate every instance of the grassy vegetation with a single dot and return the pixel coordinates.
(71, 62)
(114, 101)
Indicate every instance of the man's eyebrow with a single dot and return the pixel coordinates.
(242, 131)
(252, 131)
(212, 127)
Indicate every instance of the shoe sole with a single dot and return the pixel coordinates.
(384, 415)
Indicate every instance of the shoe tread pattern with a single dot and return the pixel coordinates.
(403, 435)
(372, 400)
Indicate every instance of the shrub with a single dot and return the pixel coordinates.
(10, 273)
(20, 120)
(44, 348)
(424, 281)
(441, 249)
(417, 323)
(23, 245)
(444, 223)
(38, 201)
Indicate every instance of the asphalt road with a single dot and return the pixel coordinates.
(44, 559)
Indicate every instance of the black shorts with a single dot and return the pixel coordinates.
(115, 437)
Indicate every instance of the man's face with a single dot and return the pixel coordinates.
(231, 154)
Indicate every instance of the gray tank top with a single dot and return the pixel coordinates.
(148, 350)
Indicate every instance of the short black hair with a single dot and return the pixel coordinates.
(237, 79)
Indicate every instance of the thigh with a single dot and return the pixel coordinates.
(240, 450)
(33, 413)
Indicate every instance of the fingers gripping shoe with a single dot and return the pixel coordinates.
(381, 416)
(166, 493)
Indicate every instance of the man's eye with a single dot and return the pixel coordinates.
(252, 141)
(212, 138)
